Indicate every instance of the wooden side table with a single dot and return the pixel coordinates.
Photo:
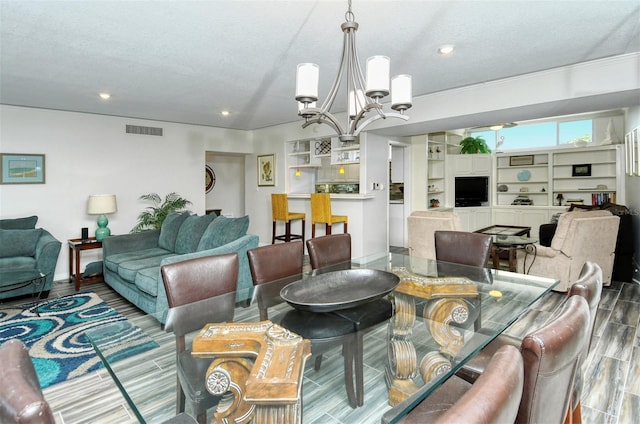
(75, 247)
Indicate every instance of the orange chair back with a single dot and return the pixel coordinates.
(279, 207)
(320, 208)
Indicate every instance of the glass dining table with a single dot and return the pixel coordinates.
(443, 314)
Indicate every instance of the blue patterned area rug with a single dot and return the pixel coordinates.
(56, 339)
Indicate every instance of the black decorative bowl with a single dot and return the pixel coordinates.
(337, 290)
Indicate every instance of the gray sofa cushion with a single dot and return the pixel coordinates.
(128, 270)
(18, 242)
(112, 262)
(147, 280)
(169, 231)
(191, 232)
(223, 230)
(27, 223)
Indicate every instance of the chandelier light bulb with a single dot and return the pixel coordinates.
(378, 76)
(401, 92)
(307, 77)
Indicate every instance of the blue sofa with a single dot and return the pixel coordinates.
(25, 252)
(131, 262)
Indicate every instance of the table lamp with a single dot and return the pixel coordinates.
(102, 204)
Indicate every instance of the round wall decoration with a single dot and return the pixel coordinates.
(209, 178)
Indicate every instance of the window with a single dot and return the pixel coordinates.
(531, 136)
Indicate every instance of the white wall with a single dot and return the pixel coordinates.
(228, 192)
(90, 154)
(633, 190)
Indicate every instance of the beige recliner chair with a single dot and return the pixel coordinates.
(580, 237)
(421, 227)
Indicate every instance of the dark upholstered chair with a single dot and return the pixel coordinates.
(21, 398)
(589, 286)
(329, 250)
(199, 291)
(462, 247)
(465, 248)
(551, 361)
(333, 252)
(273, 267)
(493, 398)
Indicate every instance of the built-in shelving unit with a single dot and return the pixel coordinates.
(589, 175)
(522, 177)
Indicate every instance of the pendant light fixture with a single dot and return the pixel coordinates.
(363, 95)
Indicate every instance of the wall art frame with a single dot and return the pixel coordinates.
(267, 170)
(581, 170)
(22, 168)
(524, 160)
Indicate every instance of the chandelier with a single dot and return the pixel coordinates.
(363, 96)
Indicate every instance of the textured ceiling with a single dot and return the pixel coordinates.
(185, 61)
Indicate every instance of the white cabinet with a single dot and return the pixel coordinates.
(525, 216)
(478, 164)
(473, 219)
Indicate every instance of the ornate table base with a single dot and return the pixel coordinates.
(258, 369)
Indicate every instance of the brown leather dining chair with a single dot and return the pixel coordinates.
(21, 398)
(325, 251)
(199, 291)
(551, 357)
(331, 253)
(589, 286)
(493, 398)
(277, 265)
(463, 248)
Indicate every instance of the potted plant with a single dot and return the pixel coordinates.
(471, 145)
(153, 216)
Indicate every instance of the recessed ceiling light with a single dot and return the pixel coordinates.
(446, 49)
(105, 96)
(224, 113)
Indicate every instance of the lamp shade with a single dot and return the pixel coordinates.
(99, 204)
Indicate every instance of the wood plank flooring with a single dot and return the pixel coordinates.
(612, 371)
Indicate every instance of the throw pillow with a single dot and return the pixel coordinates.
(191, 232)
(27, 223)
(169, 231)
(15, 243)
(223, 230)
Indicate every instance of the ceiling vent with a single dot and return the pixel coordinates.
(137, 129)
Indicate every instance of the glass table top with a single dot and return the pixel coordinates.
(443, 315)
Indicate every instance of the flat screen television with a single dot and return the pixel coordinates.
(471, 191)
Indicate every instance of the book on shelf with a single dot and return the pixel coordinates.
(598, 199)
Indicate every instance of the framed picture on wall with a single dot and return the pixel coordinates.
(21, 168)
(582, 170)
(267, 170)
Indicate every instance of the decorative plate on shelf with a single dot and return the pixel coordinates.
(524, 175)
(503, 188)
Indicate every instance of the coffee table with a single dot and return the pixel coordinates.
(506, 230)
(509, 244)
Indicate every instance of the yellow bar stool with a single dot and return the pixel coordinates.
(321, 214)
(280, 212)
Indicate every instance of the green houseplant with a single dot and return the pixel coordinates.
(153, 216)
(471, 145)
